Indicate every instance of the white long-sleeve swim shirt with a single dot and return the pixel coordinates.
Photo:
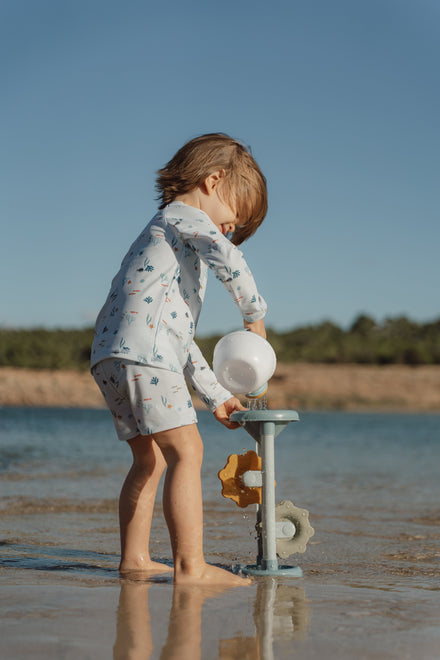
(151, 311)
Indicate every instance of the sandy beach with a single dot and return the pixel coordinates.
(301, 386)
(370, 571)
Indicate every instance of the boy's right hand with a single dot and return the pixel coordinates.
(257, 327)
(225, 410)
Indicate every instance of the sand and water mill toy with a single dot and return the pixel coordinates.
(243, 363)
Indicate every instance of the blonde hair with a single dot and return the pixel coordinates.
(243, 183)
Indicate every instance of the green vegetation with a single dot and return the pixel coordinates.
(46, 349)
(395, 341)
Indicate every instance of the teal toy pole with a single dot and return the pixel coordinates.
(270, 561)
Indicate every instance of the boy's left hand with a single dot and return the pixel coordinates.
(224, 411)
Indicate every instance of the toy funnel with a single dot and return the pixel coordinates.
(243, 362)
(259, 422)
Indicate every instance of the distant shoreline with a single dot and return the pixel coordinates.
(296, 385)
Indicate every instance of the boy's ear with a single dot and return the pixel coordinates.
(211, 182)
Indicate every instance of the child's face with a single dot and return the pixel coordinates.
(220, 212)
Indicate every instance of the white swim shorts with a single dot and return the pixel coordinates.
(142, 399)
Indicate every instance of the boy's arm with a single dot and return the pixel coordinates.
(219, 400)
(202, 378)
(225, 259)
(258, 327)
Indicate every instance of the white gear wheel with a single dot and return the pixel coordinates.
(286, 511)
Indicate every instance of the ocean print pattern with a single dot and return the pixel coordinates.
(143, 400)
(153, 306)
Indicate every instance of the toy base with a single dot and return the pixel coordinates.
(281, 571)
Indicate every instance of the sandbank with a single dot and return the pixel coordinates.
(397, 388)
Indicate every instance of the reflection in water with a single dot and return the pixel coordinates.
(133, 627)
(280, 611)
(184, 638)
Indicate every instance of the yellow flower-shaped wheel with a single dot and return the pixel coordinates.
(231, 478)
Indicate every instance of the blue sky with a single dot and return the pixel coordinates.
(338, 100)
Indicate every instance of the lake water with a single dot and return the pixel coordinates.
(371, 571)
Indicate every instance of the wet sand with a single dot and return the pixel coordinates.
(303, 386)
(146, 621)
(59, 604)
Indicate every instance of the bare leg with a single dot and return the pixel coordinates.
(136, 505)
(182, 448)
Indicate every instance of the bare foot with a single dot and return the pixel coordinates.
(145, 566)
(207, 575)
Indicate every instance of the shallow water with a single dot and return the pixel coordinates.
(371, 571)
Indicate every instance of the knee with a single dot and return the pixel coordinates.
(187, 452)
(147, 457)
